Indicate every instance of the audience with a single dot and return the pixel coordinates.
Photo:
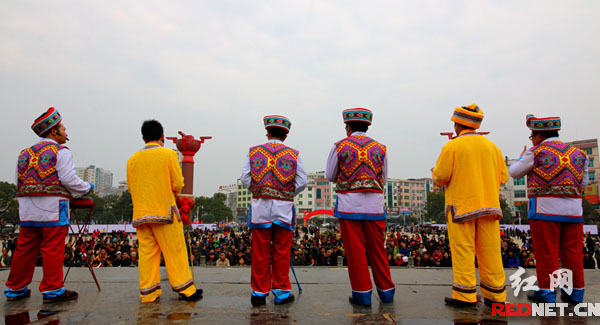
(312, 246)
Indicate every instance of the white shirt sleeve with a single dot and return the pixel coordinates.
(246, 178)
(331, 170)
(67, 175)
(301, 179)
(586, 176)
(522, 166)
(385, 169)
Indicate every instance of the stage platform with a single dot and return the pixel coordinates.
(324, 300)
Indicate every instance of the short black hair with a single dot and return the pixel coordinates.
(545, 134)
(278, 133)
(152, 130)
(359, 126)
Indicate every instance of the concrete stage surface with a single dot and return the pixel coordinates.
(324, 300)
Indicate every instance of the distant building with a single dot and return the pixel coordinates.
(514, 192)
(243, 200)
(101, 178)
(122, 187)
(230, 192)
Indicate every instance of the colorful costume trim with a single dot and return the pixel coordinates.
(149, 290)
(184, 286)
(36, 171)
(557, 170)
(173, 210)
(273, 171)
(464, 289)
(490, 288)
(470, 116)
(360, 164)
(542, 124)
(46, 121)
(63, 217)
(277, 121)
(357, 115)
(533, 214)
(451, 211)
(276, 222)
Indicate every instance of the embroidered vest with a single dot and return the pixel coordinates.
(36, 171)
(273, 171)
(360, 165)
(557, 170)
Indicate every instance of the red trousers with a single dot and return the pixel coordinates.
(553, 240)
(263, 273)
(362, 237)
(51, 241)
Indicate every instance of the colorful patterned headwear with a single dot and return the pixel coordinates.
(470, 116)
(357, 115)
(46, 121)
(277, 121)
(542, 124)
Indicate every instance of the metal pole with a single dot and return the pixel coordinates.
(189, 245)
(295, 277)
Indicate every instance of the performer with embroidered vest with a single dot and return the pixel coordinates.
(154, 179)
(274, 174)
(358, 166)
(46, 181)
(472, 169)
(556, 174)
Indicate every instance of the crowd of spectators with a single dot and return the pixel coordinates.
(312, 246)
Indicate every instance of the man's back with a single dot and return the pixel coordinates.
(472, 169)
(153, 175)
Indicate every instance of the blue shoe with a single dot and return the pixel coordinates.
(14, 295)
(283, 296)
(576, 296)
(386, 296)
(361, 298)
(542, 296)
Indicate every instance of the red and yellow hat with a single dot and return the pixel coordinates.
(277, 121)
(46, 121)
(542, 123)
(470, 116)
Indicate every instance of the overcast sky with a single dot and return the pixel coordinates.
(215, 68)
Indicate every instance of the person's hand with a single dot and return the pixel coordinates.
(523, 152)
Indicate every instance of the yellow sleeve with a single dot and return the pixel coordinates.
(176, 175)
(502, 167)
(129, 175)
(442, 172)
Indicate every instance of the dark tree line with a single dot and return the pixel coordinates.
(114, 208)
(212, 209)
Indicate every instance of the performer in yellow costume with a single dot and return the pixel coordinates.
(472, 169)
(154, 178)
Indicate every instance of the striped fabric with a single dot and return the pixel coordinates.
(470, 116)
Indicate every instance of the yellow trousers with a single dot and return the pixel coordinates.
(154, 238)
(479, 237)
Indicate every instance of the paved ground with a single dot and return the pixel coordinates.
(324, 300)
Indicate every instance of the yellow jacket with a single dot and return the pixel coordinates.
(472, 168)
(154, 178)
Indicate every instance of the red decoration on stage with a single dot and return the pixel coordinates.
(185, 205)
